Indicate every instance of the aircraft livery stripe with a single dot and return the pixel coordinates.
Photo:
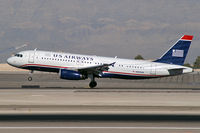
(122, 73)
(129, 73)
(187, 37)
(42, 65)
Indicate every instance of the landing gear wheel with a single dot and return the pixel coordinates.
(30, 78)
(93, 84)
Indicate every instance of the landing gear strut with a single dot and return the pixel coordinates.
(93, 83)
(30, 76)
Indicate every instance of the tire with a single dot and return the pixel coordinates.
(30, 78)
(93, 84)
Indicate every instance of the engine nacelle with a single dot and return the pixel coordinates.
(71, 75)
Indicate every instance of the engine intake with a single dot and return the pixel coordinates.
(71, 75)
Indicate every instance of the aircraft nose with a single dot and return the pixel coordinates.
(9, 61)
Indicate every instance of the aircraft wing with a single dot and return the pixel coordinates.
(96, 70)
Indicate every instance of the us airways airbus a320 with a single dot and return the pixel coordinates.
(80, 67)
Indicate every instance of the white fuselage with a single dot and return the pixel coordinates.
(123, 68)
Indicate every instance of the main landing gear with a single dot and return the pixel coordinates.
(30, 76)
(93, 83)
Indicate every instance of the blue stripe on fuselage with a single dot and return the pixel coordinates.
(104, 75)
(122, 76)
(44, 69)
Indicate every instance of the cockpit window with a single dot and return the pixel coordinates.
(18, 55)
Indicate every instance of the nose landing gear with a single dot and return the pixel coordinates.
(30, 76)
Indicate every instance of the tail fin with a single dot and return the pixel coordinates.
(178, 52)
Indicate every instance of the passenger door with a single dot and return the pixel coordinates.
(31, 57)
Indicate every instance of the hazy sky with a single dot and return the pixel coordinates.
(122, 28)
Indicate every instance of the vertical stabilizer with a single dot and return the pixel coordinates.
(178, 52)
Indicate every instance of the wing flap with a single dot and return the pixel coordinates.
(97, 69)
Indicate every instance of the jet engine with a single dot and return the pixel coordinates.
(71, 75)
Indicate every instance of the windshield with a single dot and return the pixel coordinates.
(18, 55)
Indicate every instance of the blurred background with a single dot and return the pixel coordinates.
(123, 28)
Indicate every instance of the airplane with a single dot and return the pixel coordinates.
(79, 67)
